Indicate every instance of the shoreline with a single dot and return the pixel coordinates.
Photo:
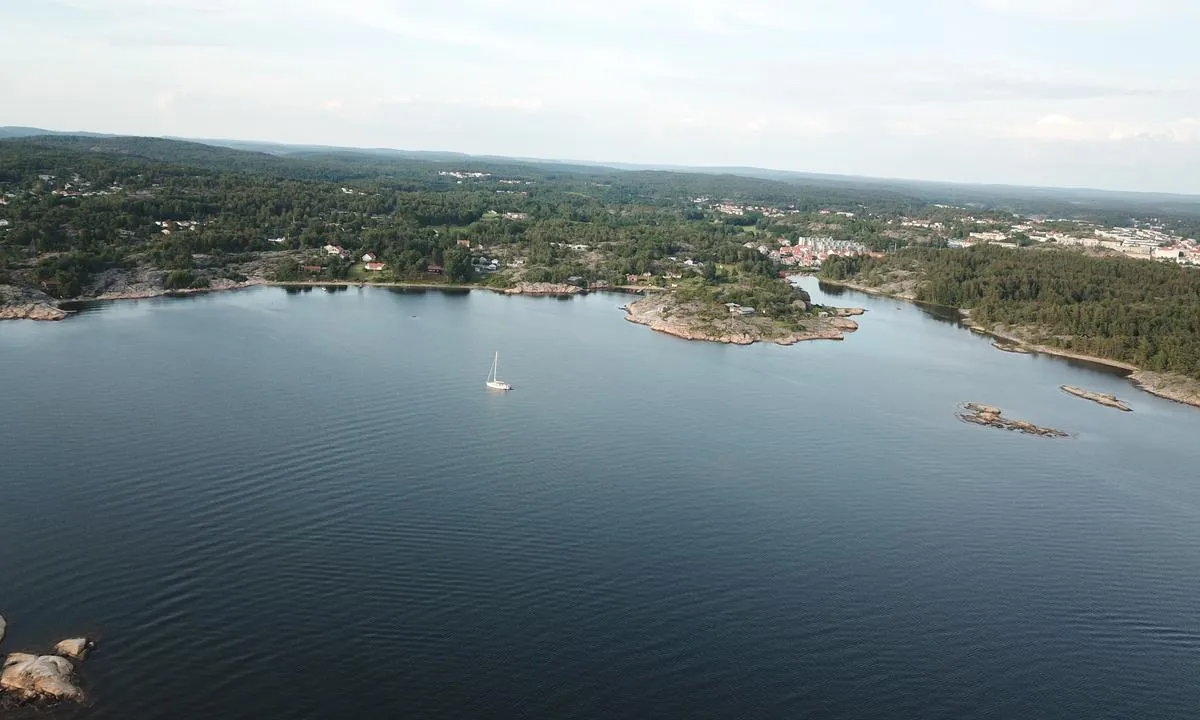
(1148, 381)
(51, 310)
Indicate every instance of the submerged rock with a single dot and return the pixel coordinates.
(40, 677)
(77, 648)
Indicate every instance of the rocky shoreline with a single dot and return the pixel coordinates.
(17, 303)
(1106, 399)
(663, 313)
(31, 678)
(22, 303)
(543, 288)
(990, 416)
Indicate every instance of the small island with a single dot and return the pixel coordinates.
(740, 309)
(1106, 399)
(990, 416)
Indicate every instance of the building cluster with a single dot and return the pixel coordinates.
(732, 209)
(166, 227)
(464, 175)
(808, 251)
(1145, 240)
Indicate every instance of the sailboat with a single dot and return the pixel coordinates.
(494, 382)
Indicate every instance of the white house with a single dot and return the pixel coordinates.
(369, 257)
(333, 249)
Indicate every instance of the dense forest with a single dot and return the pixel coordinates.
(1136, 311)
(77, 205)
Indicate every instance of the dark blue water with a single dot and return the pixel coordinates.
(303, 505)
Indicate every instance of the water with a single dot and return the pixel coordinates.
(292, 505)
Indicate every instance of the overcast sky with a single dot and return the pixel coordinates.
(1093, 93)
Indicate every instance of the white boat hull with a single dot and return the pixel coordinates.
(497, 385)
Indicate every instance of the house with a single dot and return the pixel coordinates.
(333, 249)
(312, 268)
(434, 269)
(632, 278)
(368, 257)
(374, 266)
(464, 243)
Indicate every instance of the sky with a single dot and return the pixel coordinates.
(1080, 93)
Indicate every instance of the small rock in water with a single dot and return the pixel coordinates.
(76, 648)
(35, 677)
(3, 626)
(990, 416)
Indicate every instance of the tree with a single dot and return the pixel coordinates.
(456, 264)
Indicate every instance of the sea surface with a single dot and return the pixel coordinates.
(285, 504)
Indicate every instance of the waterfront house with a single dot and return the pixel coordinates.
(434, 269)
(374, 266)
(312, 268)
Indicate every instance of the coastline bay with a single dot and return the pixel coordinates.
(280, 482)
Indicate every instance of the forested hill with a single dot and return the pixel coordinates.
(1136, 311)
(74, 207)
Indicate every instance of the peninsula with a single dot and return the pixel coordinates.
(1133, 315)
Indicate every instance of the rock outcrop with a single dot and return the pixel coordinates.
(75, 648)
(542, 288)
(1171, 386)
(26, 677)
(40, 677)
(3, 627)
(1107, 399)
(18, 303)
(1007, 347)
(991, 416)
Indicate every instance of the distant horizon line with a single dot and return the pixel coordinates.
(614, 165)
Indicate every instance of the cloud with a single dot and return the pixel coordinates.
(1090, 11)
(1058, 127)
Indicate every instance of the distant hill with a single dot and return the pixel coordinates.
(12, 131)
(1111, 206)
